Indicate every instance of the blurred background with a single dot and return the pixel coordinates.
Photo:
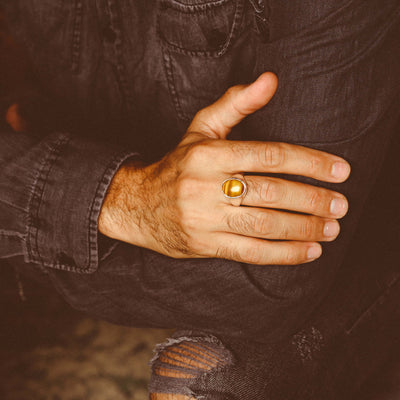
(50, 352)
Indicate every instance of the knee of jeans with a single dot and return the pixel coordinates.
(182, 366)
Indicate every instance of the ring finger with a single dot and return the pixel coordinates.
(294, 196)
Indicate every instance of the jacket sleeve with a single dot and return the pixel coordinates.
(51, 192)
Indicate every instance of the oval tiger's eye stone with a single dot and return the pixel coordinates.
(233, 188)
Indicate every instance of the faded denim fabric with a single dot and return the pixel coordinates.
(130, 76)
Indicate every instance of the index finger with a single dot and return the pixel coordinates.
(274, 157)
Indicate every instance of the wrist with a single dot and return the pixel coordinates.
(118, 215)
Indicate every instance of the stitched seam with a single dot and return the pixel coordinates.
(115, 22)
(193, 8)
(235, 27)
(258, 9)
(12, 235)
(12, 205)
(76, 36)
(34, 204)
(171, 84)
(96, 206)
(36, 199)
(92, 233)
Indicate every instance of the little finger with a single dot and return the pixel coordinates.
(263, 252)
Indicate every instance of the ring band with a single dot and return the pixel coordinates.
(234, 188)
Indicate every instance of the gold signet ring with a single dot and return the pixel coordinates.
(234, 188)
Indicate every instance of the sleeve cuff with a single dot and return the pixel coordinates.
(66, 200)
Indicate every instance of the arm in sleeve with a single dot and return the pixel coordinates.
(51, 192)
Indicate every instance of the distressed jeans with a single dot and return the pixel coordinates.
(308, 332)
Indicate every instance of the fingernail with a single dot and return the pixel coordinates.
(338, 207)
(331, 229)
(314, 252)
(340, 170)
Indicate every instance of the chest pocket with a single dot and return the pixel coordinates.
(201, 42)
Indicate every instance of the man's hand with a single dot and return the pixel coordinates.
(176, 206)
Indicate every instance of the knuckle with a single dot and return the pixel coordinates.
(236, 150)
(231, 99)
(272, 155)
(186, 221)
(315, 201)
(202, 114)
(251, 255)
(241, 223)
(199, 153)
(263, 225)
(307, 228)
(183, 188)
(186, 188)
(223, 252)
(315, 165)
(268, 192)
(286, 232)
(231, 92)
(291, 256)
(198, 247)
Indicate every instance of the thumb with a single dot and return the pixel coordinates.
(219, 118)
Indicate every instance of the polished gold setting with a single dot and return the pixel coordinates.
(234, 188)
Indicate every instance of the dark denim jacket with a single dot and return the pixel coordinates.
(130, 75)
(120, 71)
